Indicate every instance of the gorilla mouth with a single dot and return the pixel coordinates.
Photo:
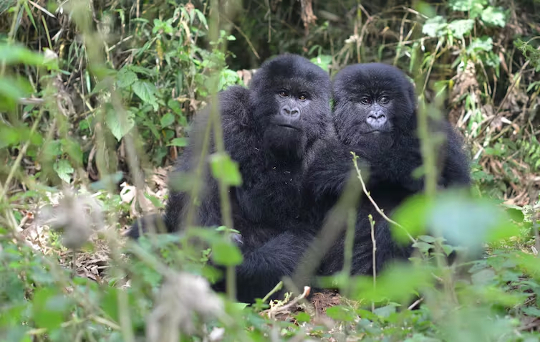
(287, 126)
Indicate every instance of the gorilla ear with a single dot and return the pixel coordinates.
(410, 93)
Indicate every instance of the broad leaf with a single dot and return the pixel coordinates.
(225, 169)
(167, 120)
(466, 5)
(435, 27)
(126, 78)
(15, 54)
(180, 142)
(226, 254)
(63, 169)
(146, 91)
(459, 28)
(494, 16)
(119, 129)
(480, 44)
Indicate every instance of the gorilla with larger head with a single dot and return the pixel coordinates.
(375, 117)
(270, 130)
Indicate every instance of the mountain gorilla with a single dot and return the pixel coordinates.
(269, 130)
(375, 117)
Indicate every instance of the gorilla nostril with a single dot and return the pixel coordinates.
(288, 111)
(377, 116)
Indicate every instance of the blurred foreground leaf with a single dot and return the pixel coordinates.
(224, 168)
(459, 218)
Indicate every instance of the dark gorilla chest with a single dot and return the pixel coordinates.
(271, 196)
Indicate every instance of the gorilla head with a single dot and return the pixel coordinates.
(375, 104)
(290, 101)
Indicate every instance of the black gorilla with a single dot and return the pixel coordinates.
(375, 117)
(270, 130)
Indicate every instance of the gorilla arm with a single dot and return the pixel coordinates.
(233, 106)
(331, 168)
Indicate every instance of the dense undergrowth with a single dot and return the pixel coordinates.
(95, 101)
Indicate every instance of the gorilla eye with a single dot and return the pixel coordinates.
(384, 99)
(365, 100)
(302, 97)
(283, 93)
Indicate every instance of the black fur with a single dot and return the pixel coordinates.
(375, 117)
(269, 130)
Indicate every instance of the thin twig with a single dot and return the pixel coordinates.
(415, 304)
(277, 309)
(366, 192)
(215, 116)
(276, 288)
(243, 35)
(374, 256)
(349, 247)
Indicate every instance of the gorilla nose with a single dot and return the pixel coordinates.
(376, 120)
(290, 112)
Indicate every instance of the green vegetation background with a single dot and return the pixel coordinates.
(97, 96)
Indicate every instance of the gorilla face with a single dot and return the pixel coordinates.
(375, 104)
(290, 99)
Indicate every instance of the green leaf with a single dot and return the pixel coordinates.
(226, 254)
(175, 106)
(10, 136)
(10, 90)
(63, 169)
(515, 212)
(494, 16)
(341, 313)
(422, 246)
(202, 18)
(412, 215)
(49, 308)
(225, 169)
(167, 120)
(16, 54)
(139, 69)
(322, 61)
(146, 91)
(385, 311)
(531, 311)
(73, 149)
(227, 78)
(118, 129)
(427, 238)
(409, 277)
(466, 5)
(303, 317)
(480, 44)
(483, 277)
(180, 142)
(435, 27)
(469, 222)
(109, 303)
(157, 202)
(459, 28)
(126, 78)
